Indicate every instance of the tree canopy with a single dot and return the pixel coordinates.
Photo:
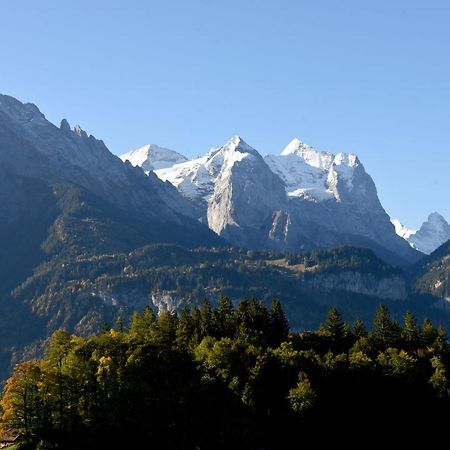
(232, 377)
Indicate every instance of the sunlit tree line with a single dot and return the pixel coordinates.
(230, 377)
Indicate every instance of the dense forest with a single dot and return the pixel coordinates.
(233, 377)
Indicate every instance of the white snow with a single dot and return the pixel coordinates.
(197, 178)
(313, 174)
(307, 173)
(401, 230)
(153, 157)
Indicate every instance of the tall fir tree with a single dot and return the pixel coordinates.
(279, 325)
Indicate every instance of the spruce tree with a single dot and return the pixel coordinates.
(279, 325)
(224, 315)
(185, 329)
(334, 326)
(410, 332)
(359, 329)
(386, 332)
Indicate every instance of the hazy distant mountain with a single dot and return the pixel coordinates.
(301, 199)
(434, 232)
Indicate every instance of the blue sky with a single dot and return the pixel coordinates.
(369, 77)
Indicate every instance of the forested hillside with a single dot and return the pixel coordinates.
(231, 378)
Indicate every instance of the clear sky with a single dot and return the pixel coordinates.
(369, 77)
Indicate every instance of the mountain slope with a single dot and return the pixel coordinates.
(64, 196)
(432, 275)
(32, 147)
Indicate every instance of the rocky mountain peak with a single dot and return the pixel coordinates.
(432, 234)
(236, 143)
(65, 126)
(437, 219)
(23, 112)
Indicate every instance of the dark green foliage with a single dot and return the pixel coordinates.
(359, 329)
(343, 258)
(279, 324)
(386, 332)
(226, 378)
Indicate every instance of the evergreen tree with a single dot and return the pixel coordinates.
(225, 317)
(141, 324)
(279, 325)
(208, 320)
(429, 333)
(334, 326)
(164, 330)
(410, 332)
(303, 396)
(185, 329)
(359, 329)
(385, 332)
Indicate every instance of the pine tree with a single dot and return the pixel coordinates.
(225, 317)
(279, 325)
(429, 333)
(164, 330)
(141, 324)
(334, 326)
(359, 329)
(410, 332)
(208, 322)
(185, 329)
(386, 332)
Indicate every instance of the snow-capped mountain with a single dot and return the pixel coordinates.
(234, 190)
(153, 157)
(402, 230)
(302, 198)
(305, 171)
(312, 174)
(434, 232)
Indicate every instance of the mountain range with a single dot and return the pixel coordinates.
(86, 238)
(300, 199)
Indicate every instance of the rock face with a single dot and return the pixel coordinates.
(387, 288)
(300, 199)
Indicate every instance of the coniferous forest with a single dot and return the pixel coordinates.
(233, 377)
